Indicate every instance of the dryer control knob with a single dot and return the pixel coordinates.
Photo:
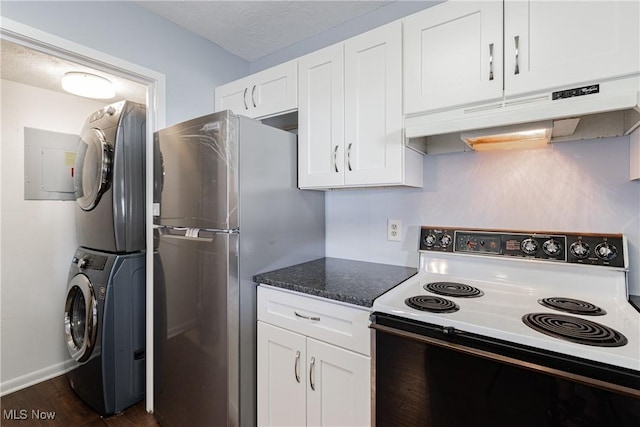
(82, 263)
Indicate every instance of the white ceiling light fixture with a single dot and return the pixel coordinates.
(88, 85)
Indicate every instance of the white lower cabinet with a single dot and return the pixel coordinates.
(303, 381)
(282, 377)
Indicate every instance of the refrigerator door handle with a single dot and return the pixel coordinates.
(201, 234)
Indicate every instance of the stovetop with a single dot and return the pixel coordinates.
(515, 289)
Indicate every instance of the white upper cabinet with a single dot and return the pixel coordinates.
(373, 107)
(350, 115)
(453, 55)
(562, 44)
(321, 118)
(266, 93)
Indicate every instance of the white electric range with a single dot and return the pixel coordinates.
(559, 299)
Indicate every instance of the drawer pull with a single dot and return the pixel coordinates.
(312, 373)
(296, 367)
(316, 318)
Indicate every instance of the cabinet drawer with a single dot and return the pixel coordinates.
(324, 320)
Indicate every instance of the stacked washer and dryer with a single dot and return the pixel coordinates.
(104, 315)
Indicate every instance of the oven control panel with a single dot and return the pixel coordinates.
(591, 249)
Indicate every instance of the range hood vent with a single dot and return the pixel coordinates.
(613, 111)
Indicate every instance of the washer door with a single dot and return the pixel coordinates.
(80, 318)
(92, 169)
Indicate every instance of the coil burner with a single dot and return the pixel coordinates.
(432, 304)
(574, 329)
(452, 289)
(573, 306)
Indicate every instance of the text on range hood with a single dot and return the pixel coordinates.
(596, 111)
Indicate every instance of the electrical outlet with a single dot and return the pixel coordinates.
(394, 230)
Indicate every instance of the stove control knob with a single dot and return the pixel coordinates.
(606, 251)
(580, 249)
(445, 241)
(529, 246)
(552, 247)
(430, 240)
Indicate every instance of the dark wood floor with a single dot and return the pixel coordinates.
(55, 399)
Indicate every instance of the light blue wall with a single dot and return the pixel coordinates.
(391, 12)
(193, 66)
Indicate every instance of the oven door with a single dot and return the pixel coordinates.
(433, 376)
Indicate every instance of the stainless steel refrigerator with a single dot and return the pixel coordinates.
(226, 207)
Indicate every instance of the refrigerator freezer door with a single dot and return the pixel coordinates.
(196, 183)
(196, 330)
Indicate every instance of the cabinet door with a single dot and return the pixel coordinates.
(234, 96)
(339, 386)
(274, 90)
(453, 55)
(373, 107)
(563, 44)
(321, 118)
(281, 377)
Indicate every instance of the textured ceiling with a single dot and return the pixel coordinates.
(253, 29)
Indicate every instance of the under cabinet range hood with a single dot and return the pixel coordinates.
(597, 110)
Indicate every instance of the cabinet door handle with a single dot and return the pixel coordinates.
(244, 98)
(296, 367)
(349, 156)
(335, 159)
(490, 61)
(316, 318)
(517, 69)
(312, 371)
(253, 95)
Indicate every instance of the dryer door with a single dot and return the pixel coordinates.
(80, 318)
(92, 168)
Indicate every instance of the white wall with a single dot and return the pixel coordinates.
(570, 186)
(38, 240)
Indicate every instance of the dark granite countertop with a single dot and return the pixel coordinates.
(353, 282)
(635, 301)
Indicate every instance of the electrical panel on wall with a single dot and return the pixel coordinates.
(49, 159)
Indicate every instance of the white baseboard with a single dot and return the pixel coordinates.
(36, 377)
